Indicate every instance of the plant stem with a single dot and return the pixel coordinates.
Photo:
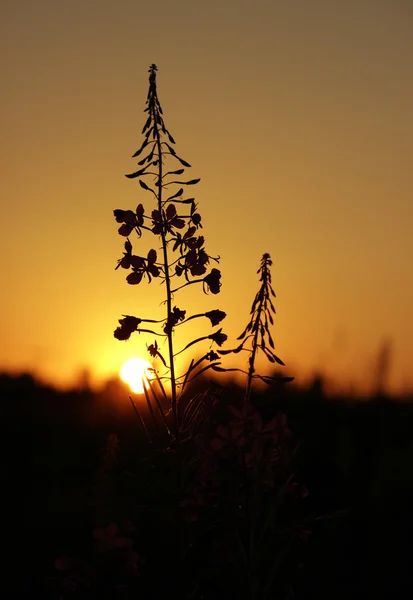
(167, 274)
(254, 351)
(248, 487)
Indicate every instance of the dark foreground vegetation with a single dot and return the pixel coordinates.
(74, 463)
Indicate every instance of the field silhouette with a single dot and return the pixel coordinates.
(69, 460)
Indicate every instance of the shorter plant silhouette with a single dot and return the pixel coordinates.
(257, 331)
(250, 457)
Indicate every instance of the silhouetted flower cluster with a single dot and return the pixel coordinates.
(213, 281)
(258, 329)
(261, 314)
(215, 316)
(166, 219)
(173, 319)
(131, 221)
(218, 337)
(128, 325)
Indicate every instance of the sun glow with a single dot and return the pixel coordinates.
(134, 371)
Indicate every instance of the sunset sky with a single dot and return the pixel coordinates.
(297, 116)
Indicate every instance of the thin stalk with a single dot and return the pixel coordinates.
(248, 487)
(251, 369)
(142, 422)
(167, 274)
(159, 380)
(266, 280)
(154, 394)
(148, 401)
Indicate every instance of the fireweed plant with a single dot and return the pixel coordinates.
(245, 470)
(257, 332)
(174, 224)
(263, 451)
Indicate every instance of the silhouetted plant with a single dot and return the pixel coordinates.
(258, 333)
(174, 221)
(262, 449)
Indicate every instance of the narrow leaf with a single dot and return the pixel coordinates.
(244, 333)
(135, 408)
(239, 348)
(273, 358)
(137, 173)
(158, 403)
(211, 366)
(178, 172)
(178, 193)
(145, 143)
(192, 343)
(187, 375)
(148, 122)
(149, 403)
(144, 186)
(190, 182)
(183, 162)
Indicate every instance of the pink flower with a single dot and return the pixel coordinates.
(212, 281)
(168, 219)
(128, 325)
(218, 337)
(140, 266)
(130, 220)
(175, 316)
(215, 316)
(196, 258)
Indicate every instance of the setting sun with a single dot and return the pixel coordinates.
(133, 372)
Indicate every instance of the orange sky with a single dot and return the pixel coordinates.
(296, 115)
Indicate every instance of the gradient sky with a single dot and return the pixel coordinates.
(297, 116)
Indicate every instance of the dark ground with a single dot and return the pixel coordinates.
(355, 457)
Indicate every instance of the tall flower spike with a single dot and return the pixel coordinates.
(174, 221)
(258, 328)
